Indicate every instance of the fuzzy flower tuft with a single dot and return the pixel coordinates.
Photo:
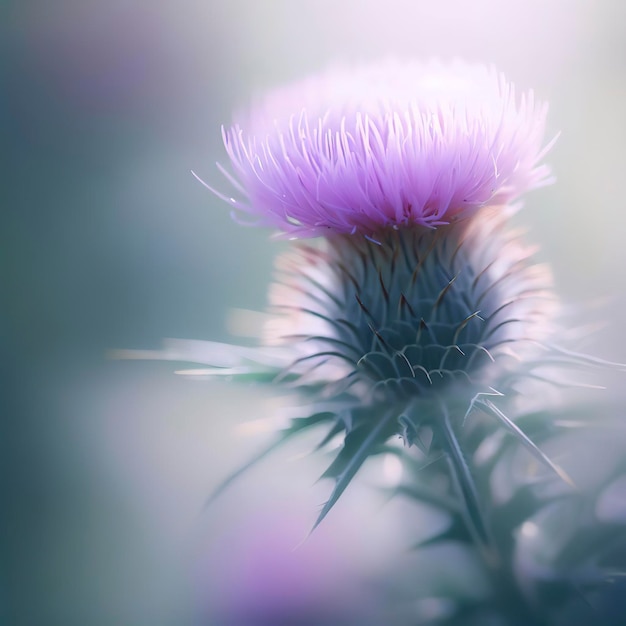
(390, 145)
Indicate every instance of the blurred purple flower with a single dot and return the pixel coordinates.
(254, 576)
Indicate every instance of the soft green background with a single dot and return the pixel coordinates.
(109, 242)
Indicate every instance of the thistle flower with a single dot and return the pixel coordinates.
(419, 315)
(418, 305)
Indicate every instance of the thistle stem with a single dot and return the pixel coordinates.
(498, 563)
(465, 486)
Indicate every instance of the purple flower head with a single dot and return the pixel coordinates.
(389, 145)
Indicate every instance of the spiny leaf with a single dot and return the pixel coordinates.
(421, 466)
(358, 447)
(456, 531)
(297, 425)
(300, 423)
(429, 496)
(521, 436)
(211, 353)
(526, 502)
(465, 485)
(240, 374)
(337, 427)
(246, 466)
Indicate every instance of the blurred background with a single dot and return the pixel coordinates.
(109, 242)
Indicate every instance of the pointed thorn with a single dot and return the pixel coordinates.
(443, 292)
(405, 303)
(353, 465)
(382, 286)
(523, 438)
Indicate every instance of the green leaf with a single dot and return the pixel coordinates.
(456, 531)
(427, 495)
(227, 482)
(358, 446)
(491, 409)
(465, 486)
(297, 425)
(244, 373)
